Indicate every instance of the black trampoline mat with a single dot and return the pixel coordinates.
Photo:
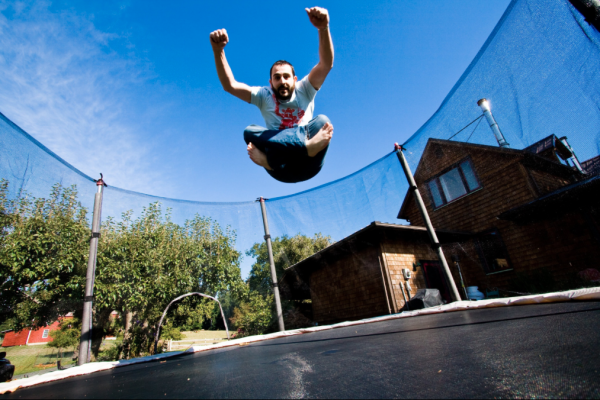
(546, 350)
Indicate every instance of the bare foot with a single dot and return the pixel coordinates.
(320, 141)
(258, 157)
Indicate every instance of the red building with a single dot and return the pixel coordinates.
(27, 337)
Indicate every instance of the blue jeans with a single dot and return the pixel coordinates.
(286, 150)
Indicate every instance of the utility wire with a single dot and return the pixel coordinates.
(470, 123)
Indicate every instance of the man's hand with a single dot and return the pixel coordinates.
(318, 16)
(219, 39)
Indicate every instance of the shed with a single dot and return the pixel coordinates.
(361, 275)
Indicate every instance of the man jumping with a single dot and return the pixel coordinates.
(293, 146)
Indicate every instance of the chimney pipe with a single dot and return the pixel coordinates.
(485, 107)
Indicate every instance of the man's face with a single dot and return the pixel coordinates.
(283, 82)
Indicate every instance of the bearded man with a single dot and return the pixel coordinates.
(293, 146)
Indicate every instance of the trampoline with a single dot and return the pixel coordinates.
(543, 350)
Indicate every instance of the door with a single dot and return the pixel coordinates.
(434, 277)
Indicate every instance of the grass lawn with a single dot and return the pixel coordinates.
(199, 338)
(28, 359)
(189, 335)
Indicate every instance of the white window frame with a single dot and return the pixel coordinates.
(440, 194)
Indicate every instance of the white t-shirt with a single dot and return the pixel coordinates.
(297, 111)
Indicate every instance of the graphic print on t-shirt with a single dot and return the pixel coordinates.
(284, 115)
(288, 119)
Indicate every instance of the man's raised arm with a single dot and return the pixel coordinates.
(218, 40)
(319, 17)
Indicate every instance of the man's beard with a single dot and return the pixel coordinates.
(284, 98)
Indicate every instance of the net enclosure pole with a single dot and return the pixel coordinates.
(272, 264)
(432, 235)
(85, 344)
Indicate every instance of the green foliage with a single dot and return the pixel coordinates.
(253, 316)
(287, 251)
(67, 336)
(5, 326)
(229, 301)
(145, 263)
(111, 353)
(255, 313)
(142, 264)
(43, 256)
(168, 331)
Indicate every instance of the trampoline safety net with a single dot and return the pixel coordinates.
(539, 69)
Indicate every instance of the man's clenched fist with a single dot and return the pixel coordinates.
(318, 16)
(219, 39)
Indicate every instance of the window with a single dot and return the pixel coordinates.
(45, 334)
(453, 184)
(492, 252)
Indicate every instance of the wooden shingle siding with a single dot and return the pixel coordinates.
(403, 254)
(349, 288)
(562, 244)
(503, 183)
(547, 182)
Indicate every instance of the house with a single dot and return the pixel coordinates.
(29, 337)
(498, 212)
(526, 210)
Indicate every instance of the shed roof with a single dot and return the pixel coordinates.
(295, 278)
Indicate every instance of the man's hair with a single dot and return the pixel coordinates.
(281, 62)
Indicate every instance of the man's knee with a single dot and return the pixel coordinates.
(320, 120)
(252, 131)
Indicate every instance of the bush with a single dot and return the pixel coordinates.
(168, 331)
(67, 336)
(254, 316)
(110, 354)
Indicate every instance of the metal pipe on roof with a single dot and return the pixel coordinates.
(487, 111)
(590, 9)
(432, 235)
(571, 156)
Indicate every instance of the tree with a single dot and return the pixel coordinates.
(43, 255)
(145, 263)
(287, 251)
(253, 316)
(67, 336)
(251, 313)
(142, 265)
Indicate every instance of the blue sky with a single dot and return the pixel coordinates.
(129, 88)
